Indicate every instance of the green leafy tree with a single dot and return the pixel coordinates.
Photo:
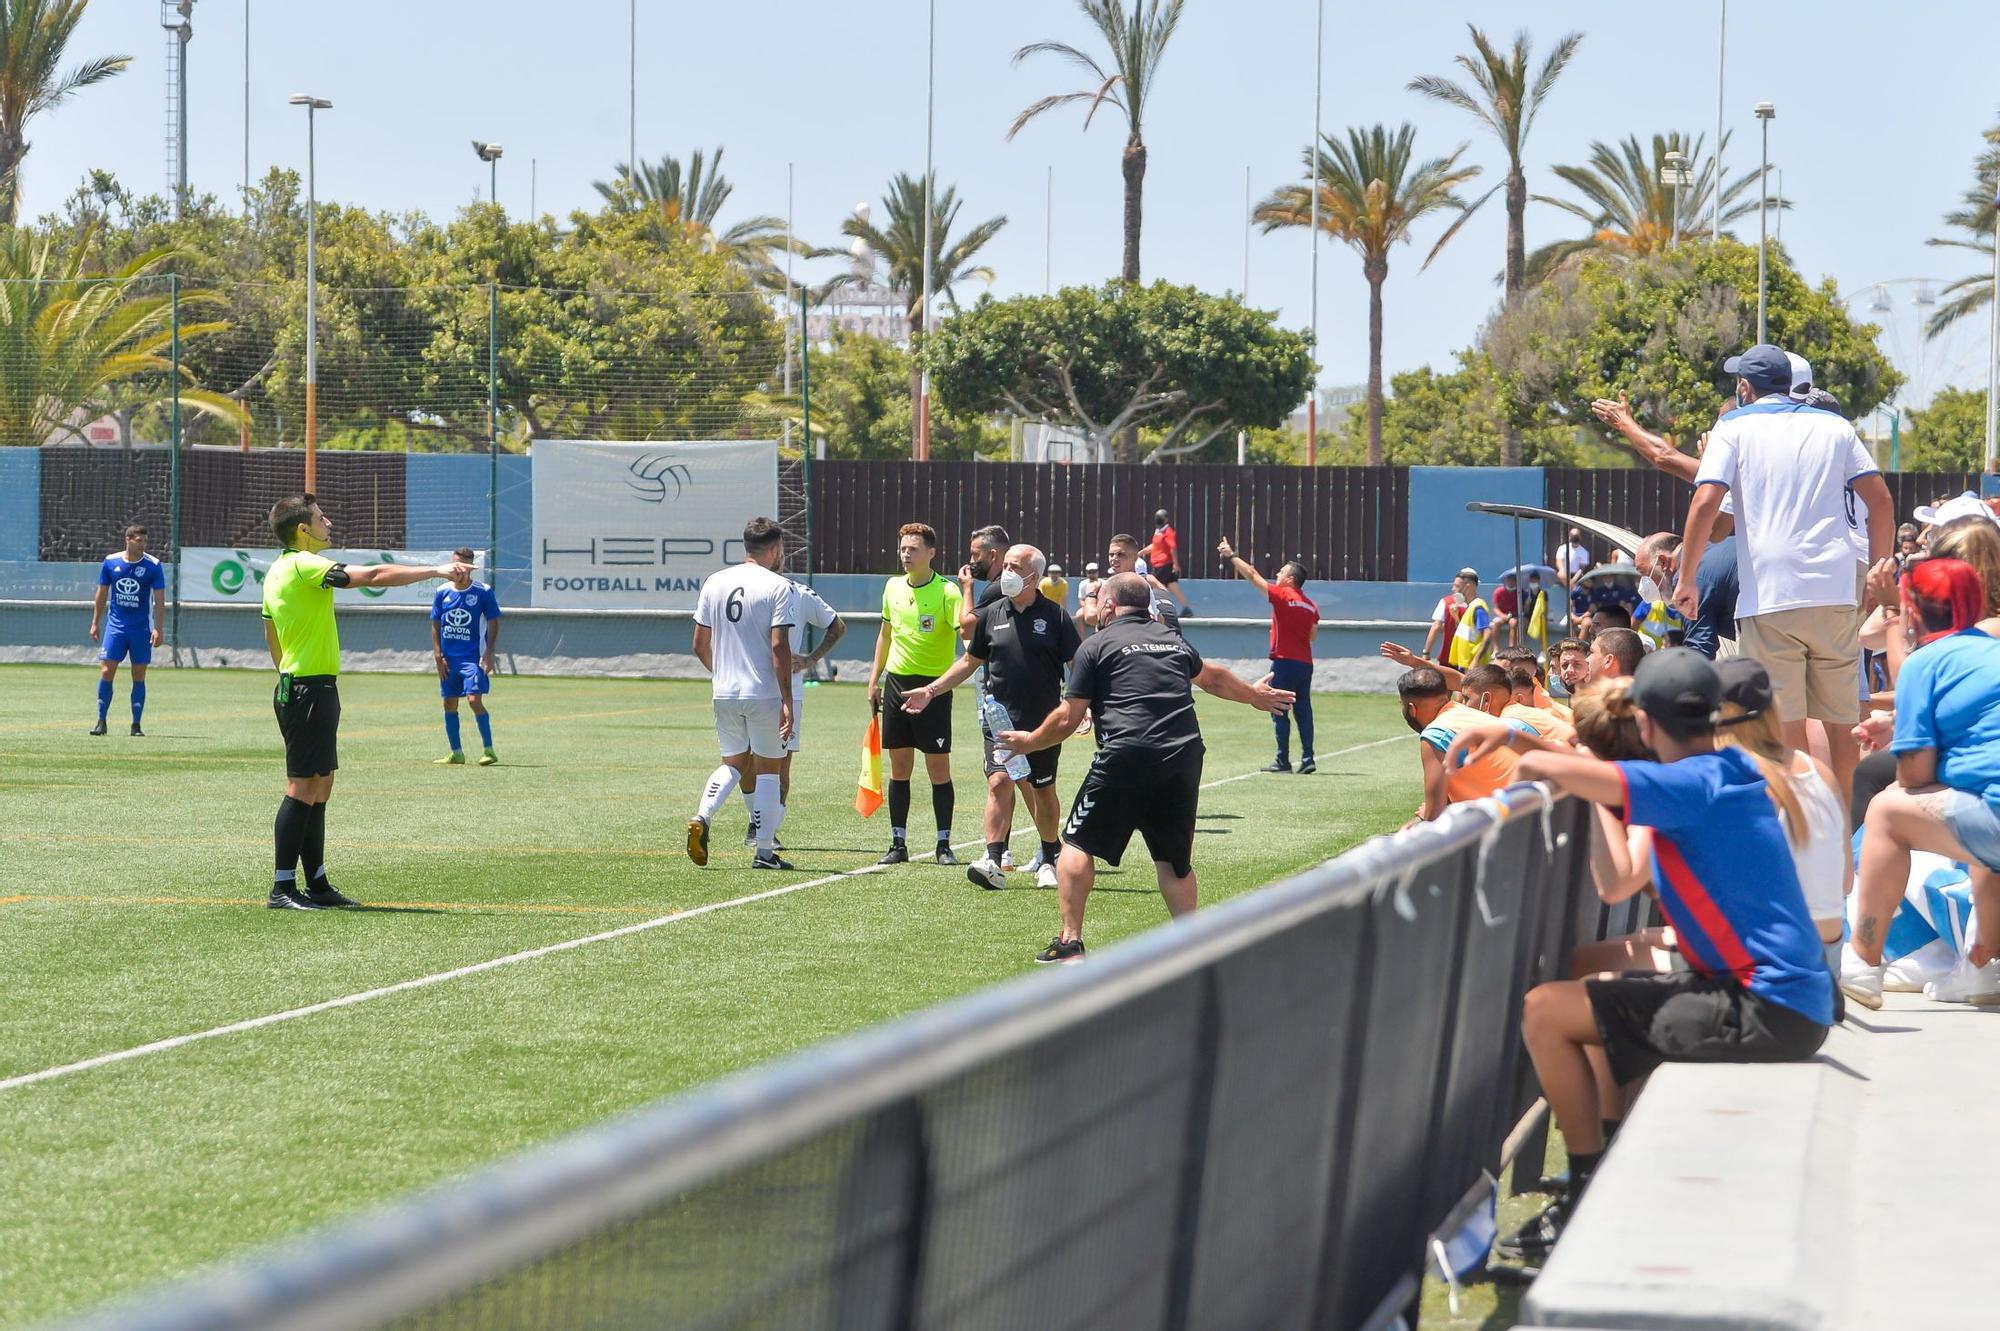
(688, 205)
(861, 404)
(1948, 435)
(74, 347)
(1102, 360)
(1459, 419)
(1972, 225)
(34, 36)
(1372, 192)
(1502, 97)
(1629, 210)
(1658, 329)
(1136, 42)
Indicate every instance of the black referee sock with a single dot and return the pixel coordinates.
(943, 796)
(899, 806)
(290, 833)
(313, 850)
(1051, 850)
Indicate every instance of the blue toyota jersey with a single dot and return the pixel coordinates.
(129, 607)
(461, 618)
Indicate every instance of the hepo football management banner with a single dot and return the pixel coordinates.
(638, 526)
(219, 574)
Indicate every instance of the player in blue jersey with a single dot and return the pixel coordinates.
(465, 632)
(130, 622)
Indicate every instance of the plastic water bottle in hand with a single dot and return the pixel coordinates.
(996, 720)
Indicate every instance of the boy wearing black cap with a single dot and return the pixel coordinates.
(1758, 991)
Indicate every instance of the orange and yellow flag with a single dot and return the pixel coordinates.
(868, 796)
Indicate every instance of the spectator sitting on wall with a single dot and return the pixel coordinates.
(1430, 710)
(1507, 607)
(1444, 617)
(1947, 800)
(1759, 990)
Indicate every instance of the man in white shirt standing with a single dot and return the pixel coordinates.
(1790, 469)
(1572, 558)
(743, 635)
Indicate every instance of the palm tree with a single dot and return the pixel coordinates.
(898, 244)
(1503, 99)
(686, 205)
(1137, 42)
(1629, 211)
(1370, 195)
(33, 34)
(77, 347)
(1977, 220)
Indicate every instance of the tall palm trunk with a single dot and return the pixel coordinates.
(1375, 270)
(12, 149)
(1135, 188)
(1517, 262)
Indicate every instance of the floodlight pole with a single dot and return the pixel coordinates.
(246, 107)
(1312, 396)
(1993, 350)
(1721, 51)
(1765, 113)
(632, 105)
(313, 106)
(923, 441)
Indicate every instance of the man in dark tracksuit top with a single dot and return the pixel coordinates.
(1135, 676)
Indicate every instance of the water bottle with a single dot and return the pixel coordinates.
(995, 718)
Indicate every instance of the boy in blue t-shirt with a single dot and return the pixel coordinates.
(1759, 990)
(465, 632)
(131, 605)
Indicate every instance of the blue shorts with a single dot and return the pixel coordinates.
(121, 643)
(1977, 827)
(461, 678)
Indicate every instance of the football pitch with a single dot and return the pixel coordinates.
(152, 1123)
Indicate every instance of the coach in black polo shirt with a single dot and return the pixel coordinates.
(1024, 640)
(1135, 677)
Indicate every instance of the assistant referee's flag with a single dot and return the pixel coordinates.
(868, 796)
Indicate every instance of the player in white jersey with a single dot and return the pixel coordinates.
(813, 613)
(743, 635)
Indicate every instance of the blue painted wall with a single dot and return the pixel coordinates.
(447, 505)
(1445, 538)
(20, 503)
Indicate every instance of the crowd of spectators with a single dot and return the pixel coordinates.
(1713, 698)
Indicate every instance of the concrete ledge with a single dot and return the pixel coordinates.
(1851, 1191)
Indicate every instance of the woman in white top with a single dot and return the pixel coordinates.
(1809, 804)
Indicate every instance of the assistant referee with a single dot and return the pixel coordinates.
(305, 647)
(1136, 677)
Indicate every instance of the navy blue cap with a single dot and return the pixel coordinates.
(1764, 365)
(1678, 685)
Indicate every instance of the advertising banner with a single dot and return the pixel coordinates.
(221, 574)
(639, 526)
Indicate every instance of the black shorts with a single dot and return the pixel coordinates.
(929, 730)
(1684, 1017)
(1166, 575)
(1158, 800)
(1042, 763)
(310, 722)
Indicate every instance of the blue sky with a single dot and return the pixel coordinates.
(1880, 108)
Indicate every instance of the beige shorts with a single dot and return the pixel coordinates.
(1813, 656)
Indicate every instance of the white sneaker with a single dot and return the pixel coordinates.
(1860, 981)
(1908, 975)
(985, 873)
(1034, 864)
(1007, 860)
(1045, 876)
(1968, 983)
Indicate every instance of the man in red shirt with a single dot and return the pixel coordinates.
(1507, 608)
(1294, 624)
(1163, 560)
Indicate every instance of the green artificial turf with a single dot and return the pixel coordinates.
(131, 911)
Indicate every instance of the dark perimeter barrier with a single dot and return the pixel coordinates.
(1253, 1118)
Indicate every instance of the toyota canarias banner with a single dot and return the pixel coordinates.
(638, 526)
(212, 573)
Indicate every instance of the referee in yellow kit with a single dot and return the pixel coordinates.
(305, 647)
(917, 643)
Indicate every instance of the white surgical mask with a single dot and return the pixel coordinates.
(1649, 591)
(1011, 583)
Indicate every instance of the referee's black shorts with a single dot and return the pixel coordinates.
(310, 722)
(1158, 800)
(929, 730)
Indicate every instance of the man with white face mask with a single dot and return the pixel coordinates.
(1025, 640)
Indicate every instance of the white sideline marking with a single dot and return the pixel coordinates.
(425, 981)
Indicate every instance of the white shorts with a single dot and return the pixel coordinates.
(798, 716)
(748, 725)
